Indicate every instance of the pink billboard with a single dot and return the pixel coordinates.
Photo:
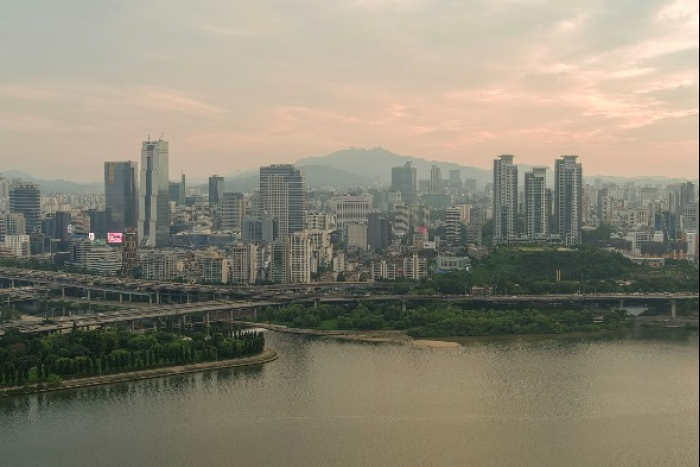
(115, 237)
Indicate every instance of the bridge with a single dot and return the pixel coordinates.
(163, 292)
(235, 309)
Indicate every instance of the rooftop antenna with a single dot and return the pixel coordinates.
(161, 135)
(149, 137)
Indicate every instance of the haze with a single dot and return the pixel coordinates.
(237, 84)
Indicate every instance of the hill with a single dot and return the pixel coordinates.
(55, 186)
(376, 164)
(317, 176)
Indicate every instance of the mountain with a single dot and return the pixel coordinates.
(55, 186)
(376, 164)
(317, 176)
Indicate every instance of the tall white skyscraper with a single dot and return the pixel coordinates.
(568, 195)
(537, 203)
(505, 198)
(154, 195)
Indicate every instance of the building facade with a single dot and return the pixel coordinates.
(505, 198)
(405, 180)
(121, 195)
(536, 204)
(568, 196)
(283, 195)
(25, 199)
(154, 195)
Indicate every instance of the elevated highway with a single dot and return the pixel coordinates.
(234, 309)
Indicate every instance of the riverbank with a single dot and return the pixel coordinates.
(402, 338)
(268, 355)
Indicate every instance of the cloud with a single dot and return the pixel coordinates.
(276, 80)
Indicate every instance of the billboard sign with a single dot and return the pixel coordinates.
(91, 236)
(115, 237)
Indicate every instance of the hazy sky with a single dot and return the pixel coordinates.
(236, 84)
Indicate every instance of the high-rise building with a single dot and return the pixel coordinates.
(232, 211)
(435, 179)
(378, 231)
(536, 203)
(453, 224)
(455, 178)
(505, 198)
(154, 195)
(12, 224)
(216, 189)
(687, 195)
(121, 195)
(277, 266)
(298, 261)
(405, 180)
(568, 194)
(216, 195)
(258, 229)
(177, 191)
(25, 199)
(283, 195)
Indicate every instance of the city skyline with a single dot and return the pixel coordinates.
(236, 85)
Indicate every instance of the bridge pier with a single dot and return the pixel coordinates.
(88, 294)
(63, 293)
(316, 301)
(121, 297)
(206, 322)
(157, 298)
(674, 305)
(622, 305)
(403, 306)
(131, 326)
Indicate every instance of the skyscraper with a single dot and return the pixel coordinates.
(177, 191)
(568, 193)
(455, 178)
(154, 195)
(216, 189)
(505, 198)
(435, 179)
(216, 195)
(25, 198)
(121, 194)
(232, 211)
(405, 180)
(536, 203)
(378, 231)
(283, 195)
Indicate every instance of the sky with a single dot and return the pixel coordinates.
(234, 84)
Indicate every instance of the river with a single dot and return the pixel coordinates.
(627, 400)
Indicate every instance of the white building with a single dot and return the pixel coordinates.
(348, 209)
(568, 198)
(298, 258)
(505, 198)
(103, 260)
(415, 267)
(17, 245)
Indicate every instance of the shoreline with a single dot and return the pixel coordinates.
(399, 337)
(267, 356)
